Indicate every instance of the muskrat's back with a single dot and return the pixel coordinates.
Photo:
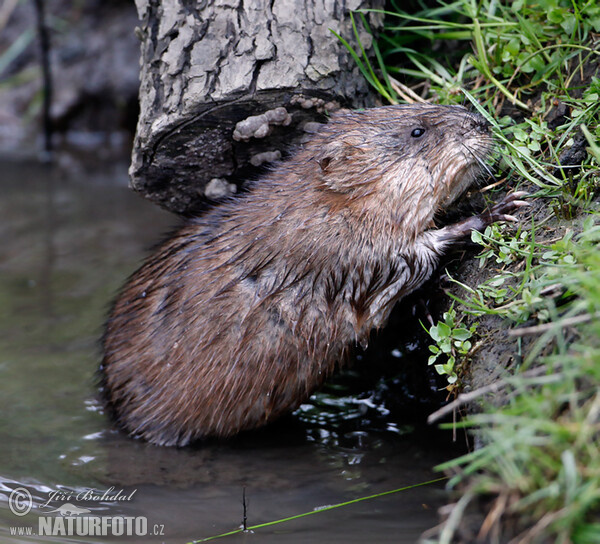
(239, 316)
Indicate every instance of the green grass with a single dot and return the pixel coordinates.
(526, 66)
(541, 460)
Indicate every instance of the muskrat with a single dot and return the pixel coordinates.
(241, 314)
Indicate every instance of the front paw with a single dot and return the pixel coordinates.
(501, 211)
(498, 212)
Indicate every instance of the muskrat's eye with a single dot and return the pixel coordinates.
(417, 132)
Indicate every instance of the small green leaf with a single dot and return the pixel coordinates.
(443, 329)
(476, 237)
(520, 134)
(513, 47)
(446, 345)
(556, 15)
(569, 24)
(461, 334)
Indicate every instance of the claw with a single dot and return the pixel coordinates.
(518, 194)
(501, 211)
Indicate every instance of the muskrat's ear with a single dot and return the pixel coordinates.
(324, 163)
(333, 158)
(330, 152)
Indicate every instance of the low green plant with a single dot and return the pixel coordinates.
(500, 245)
(452, 343)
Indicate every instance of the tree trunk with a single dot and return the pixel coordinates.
(228, 85)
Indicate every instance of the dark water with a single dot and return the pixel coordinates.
(67, 242)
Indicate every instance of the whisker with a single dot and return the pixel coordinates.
(478, 159)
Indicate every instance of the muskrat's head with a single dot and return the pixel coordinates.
(407, 161)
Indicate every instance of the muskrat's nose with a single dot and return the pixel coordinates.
(480, 122)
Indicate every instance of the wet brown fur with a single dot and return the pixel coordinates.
(241, 315)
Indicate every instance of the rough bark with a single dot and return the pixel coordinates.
(229, 85)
